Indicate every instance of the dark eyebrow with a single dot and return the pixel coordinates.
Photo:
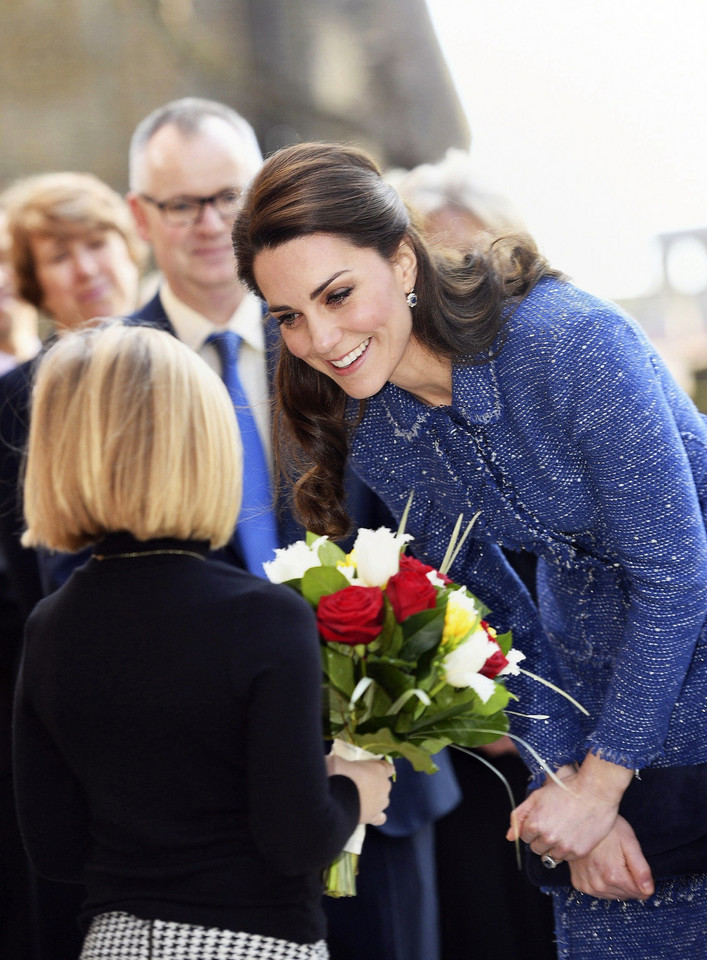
(322, 286)
(315, 293)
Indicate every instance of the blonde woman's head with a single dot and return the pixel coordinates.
(130, 431)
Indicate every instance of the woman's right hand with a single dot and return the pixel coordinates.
(372, 778)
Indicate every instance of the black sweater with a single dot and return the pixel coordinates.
(168, 746)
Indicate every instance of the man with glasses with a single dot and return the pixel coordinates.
(189, 161)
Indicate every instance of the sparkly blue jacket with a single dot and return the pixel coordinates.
(575, 444)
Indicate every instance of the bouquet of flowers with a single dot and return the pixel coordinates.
(410, 664)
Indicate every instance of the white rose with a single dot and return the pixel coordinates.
(291, 562)
(349, 571)
(377, 554)
(435, 579)
(513, 657)
(462, 665)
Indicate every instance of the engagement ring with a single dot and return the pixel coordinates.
(549, 862)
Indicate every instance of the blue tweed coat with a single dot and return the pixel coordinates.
(576, 444)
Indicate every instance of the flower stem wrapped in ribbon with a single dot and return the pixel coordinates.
(410, 663)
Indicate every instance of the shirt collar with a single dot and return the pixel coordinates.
(193, 328)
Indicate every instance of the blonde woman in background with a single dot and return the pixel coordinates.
(75, 256)
(74, 247)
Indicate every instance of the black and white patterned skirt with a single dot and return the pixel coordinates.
(121, 936)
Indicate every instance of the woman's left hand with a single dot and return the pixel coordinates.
(616, 869)
(567, 821)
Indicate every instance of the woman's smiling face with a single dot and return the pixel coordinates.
(341, 308)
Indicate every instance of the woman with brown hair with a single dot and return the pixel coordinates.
(486, 382)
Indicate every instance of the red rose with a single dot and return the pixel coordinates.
(412, 563)
(497, 661)
(409, 591)
(352, 615)
(493, 666)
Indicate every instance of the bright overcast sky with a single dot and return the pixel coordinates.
(590, 115)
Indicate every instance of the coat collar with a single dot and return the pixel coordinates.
(476, 393)
(476, 396)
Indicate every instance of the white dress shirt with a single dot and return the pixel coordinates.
(193, 329)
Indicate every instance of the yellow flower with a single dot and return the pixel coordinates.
(461, 618)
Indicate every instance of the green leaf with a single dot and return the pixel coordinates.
(420, 620)
(465, 703)
(391, 636)
(391, 678)
(432, 746)
(381, 740)
(497, 701)
(339, 670)
(330, 554)
(505, 641)
(418, 756)
(319, 582)
(426, 676)
(426, 635)
(385, 742)
(380, 701)
(338, 716)
(470, 731)
(419, 752)
(418, 698)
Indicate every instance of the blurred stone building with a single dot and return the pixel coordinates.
(77, 75)
(674, 315)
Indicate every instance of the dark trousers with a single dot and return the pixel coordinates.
(488, 907)
(394, 915)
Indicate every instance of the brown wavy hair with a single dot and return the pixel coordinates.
(463, 303)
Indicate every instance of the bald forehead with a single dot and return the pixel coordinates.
(214, 151)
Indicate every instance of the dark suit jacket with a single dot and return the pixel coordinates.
(22, 566)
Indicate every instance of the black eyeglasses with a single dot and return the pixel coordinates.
(180, 211)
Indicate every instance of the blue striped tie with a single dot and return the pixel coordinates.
(256, 529)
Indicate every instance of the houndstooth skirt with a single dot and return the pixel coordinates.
(121, 936)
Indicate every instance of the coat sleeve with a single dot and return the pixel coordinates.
(644, 446)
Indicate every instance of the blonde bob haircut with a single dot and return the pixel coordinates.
(132, 431)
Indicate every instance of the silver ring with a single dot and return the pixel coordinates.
(548, 861)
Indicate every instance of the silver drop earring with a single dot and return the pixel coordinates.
(411, 299)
